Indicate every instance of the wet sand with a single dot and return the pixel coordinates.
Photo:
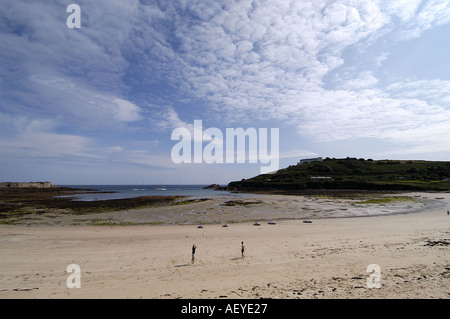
(250, 208)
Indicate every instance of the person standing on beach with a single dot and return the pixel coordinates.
(242, 249)
(194, 247)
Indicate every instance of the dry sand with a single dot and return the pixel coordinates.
(327, 258)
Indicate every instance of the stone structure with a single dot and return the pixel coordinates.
(26, 185)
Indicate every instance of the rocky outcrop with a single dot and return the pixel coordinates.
(216, 187)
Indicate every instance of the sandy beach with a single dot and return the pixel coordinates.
(327, 258)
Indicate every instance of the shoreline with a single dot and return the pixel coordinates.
(241, 209)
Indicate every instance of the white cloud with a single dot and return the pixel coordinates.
(348, 115)
(125, 111)
(404, 9)
(85, 103)
(252, 59)
(419, 16)
(297, 153)
(34, 138)
(149, 161)
(243, 64)
(23, 137)
(168, 119)
(435, 92)
(354, 81)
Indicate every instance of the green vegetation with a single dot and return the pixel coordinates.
(387, 200)
(240, 203)
(353, 173)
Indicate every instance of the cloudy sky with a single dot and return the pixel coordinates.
(98, 104)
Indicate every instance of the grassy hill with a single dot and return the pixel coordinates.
(353, 173)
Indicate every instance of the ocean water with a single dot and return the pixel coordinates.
(130, 191)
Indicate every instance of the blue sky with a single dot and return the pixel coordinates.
(98, 104)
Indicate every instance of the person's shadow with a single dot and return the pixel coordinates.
(236, 258)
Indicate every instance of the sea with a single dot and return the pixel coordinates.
(130, 191)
